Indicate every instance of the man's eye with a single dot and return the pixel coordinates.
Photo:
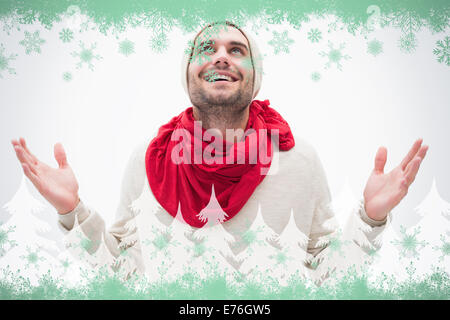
(207, 49)
(236, 48)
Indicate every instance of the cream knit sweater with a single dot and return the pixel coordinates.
(299, 189)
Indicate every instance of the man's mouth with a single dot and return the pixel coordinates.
(215, 76)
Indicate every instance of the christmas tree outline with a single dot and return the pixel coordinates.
(29, 252)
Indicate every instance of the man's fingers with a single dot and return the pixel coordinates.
(23, 158)
(413, 167)
(60, 155)
(380, 160)
(30, 175)
(24, 145)
(422, 152)
(412, 152)
(31, 159)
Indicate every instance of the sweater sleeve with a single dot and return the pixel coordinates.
(116, 248)
(335, 249)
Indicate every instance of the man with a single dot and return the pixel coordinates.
(221, 87)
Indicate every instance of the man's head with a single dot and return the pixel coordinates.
(220, 69)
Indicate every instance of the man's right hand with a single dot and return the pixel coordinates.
(58, 186)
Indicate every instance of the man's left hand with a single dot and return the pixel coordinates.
(384, 191)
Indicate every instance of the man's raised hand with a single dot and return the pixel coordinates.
(385, 190)
(57, 185)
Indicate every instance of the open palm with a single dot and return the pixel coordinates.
(384, 191)
(57, 185)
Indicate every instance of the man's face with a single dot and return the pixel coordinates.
(227, 78)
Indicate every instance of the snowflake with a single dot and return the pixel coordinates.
(28, 17)
(409, 22)
(84, 244)
(66, 35)
(67, 76)
(314, 35)
(444, 248)
(373, 252)
(334, 55)
(199, 53)
(65, 264)
(124, 252)
(281, 42)
(159, 43)
(437, 21)
(374, 47)
(315, 76)
(161, 242)
(249, 236)
(334, 243)
(211, 75)
(409, 245)
(200, 50)
(32, 42)
(442, 51)
(314, 264)
(280, 257)
(407, 43)
(126, 47)
(5, 243)
(199, 249)
(32, 258)
(4, 61)
(86, 56)
(251, 239)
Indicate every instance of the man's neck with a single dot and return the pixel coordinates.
(222, 121)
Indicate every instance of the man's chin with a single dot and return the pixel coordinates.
(222, 96)
(222, 99)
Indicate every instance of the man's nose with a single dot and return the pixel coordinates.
(220, 58)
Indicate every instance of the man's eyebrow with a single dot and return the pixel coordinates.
(233, 43)
(205, 42)
(237, 43)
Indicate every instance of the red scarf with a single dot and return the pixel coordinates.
(191, 185)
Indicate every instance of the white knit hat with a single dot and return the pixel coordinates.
(254, 54)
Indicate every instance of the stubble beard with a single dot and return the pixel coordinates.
(225, 108)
